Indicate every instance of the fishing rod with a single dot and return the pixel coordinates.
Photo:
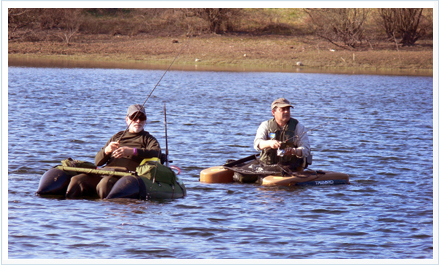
(303, 133)
(280, 152)
(137, 112)
(166, 135)
(166, 144)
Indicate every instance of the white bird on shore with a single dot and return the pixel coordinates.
(197, 60)
(299, 63)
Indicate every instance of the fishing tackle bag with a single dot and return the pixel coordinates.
(155, 171)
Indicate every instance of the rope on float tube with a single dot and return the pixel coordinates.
(154, 88)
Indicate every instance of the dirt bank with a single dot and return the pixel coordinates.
(232, 51)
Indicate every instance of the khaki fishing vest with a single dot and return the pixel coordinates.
(269, 155)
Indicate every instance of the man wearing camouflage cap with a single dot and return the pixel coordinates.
(282, 139)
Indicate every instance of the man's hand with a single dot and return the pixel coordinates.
(274, 144)
(111, 147)
(124, 151)
(293, 151)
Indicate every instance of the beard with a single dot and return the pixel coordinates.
(136, 128)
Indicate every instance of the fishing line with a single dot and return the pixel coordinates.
(137, 112)
(312, 129)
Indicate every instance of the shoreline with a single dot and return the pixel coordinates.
(227, 53)
(72, 62)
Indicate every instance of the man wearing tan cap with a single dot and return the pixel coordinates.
(124, 151)
(282, 139)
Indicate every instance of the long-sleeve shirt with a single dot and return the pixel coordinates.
(302, 142)
(147, 147)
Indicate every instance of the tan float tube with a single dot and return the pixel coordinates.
(217, 174)
(317, 177)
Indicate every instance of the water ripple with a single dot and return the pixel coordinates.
(385, 146)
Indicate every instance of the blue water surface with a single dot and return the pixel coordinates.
(378, 129)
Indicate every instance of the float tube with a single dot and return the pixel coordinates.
(308, 177)
(217, 174)
(250, 170)
(151, 180)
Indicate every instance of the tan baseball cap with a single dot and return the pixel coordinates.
(281, 103)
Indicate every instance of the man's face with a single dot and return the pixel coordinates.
(281, 115)
(136, 124)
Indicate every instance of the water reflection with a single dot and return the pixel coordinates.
(20, 61)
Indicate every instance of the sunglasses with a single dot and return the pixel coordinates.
(140, 116)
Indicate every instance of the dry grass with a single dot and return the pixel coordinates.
(262, 37)
(245, 50)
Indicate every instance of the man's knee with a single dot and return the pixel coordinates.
(105, 186)
(82, 185)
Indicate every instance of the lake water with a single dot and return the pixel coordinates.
(377, 128)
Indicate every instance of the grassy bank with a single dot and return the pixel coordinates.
(231, 50)
(223, 37)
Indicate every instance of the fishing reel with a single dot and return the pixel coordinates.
(281, 152)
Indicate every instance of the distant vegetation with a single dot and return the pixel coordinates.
(348, 28)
